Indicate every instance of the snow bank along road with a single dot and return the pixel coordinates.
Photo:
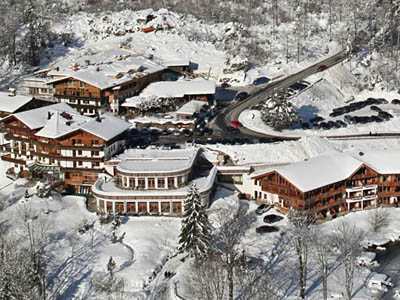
(232, 112)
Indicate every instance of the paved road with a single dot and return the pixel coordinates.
(232, 112)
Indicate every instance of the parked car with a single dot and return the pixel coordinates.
(396, 101)
(321, 68)
(266, 229)
(261, 80)
(236, 124)
(382, 101)
(241, 96)
(316, 119)
(208, 131)
(336, 113)
(187, 132)
(305, 125)
(385, 115)
(349, 119)
(375, 108)
(376, 119)
(233, 129)
(333, 124)
(341, 123)
(176, 133)
(272, 218)
(263, 208)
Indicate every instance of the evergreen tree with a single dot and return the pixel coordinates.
(195, 234)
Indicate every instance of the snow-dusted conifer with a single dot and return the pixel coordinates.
(279, 113)
(195, 234)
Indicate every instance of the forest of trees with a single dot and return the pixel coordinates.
(359, 25)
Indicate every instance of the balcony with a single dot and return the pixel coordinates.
(363, 198)
(361, 188)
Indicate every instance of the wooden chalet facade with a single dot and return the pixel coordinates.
(102, 81)
(74, 155)
(364, 187)
(90, 100)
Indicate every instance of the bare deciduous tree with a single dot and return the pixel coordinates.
(322, 246)
(347, 240)
(379, 218)
(300, 240)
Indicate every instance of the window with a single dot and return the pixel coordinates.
(79, 141)
(79, 152)
(95, 153)
(141, 183)
(96, 164)
(82, 84)
(151, 182)
(80, 163)
(161, 183)
(171, 182)
(94, 142)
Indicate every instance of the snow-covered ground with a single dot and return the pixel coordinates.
(306, 147)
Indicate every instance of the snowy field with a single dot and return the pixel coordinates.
(306, 147)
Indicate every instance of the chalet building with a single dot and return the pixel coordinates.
(153, 181)
(94, 83)
(170, 95)
(12, 103)
(179, 66)
(56, 143)
(333, 184)
(37, 85)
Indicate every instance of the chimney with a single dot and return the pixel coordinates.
(98, 119)
(12, 92)
(48, 115)
(58, 69)
(97, 69)
(87, 62)
(361, 153)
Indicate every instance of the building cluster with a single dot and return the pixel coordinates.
(69, 131)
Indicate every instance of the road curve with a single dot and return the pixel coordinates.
(232, 112)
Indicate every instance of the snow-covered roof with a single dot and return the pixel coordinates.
(179, 88)
(37, 118)
(61, 124)
(191, 107)
(150, 161)
(106, 69)
(64, 119)
(382, 161)
(177, 63)
(318, 171)
(109, 188)
(12, 103)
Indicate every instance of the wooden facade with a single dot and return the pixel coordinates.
(365, 187)
(79, 156)
(90, 100)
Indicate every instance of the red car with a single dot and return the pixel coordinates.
(236, 124)
(322, 68)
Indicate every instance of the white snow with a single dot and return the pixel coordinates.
(12, 103)
(301, 174)
(191, 107)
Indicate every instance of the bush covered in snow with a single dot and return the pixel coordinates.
(279, 113)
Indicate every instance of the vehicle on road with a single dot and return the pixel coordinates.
(208, 131)
(177, 133)
(187, 132)
(241, 96)
(322, 68)
(260, 80)
(266, 229)
(263, 208)
(236, 124)
(272, 218)
(233, 129)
